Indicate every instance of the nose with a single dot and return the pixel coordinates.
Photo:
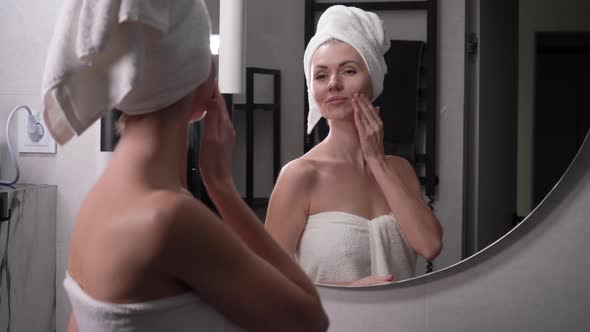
(334, 84)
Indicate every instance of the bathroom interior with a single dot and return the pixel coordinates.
(493, 116)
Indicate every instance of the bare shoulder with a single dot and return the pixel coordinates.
(289, 202)
(167, 208)
(299, 172)
(150, 224)
(126, 243)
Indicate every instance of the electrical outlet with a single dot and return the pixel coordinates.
(25, 144)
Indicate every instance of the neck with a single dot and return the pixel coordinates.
(343, 142)
(153, 150)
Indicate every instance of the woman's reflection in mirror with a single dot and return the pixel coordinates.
(348, 213)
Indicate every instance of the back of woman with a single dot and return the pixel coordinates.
(114, 254)
(144, 254)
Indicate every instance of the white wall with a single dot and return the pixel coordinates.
(538, 16)
(25, 30)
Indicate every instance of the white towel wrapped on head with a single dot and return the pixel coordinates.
(360, 29)
(138, 56)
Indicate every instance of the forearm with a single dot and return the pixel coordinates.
(72, 324)
(236, 214)
(415, 218)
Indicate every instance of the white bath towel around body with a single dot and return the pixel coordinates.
(184, 312)
(342, 247)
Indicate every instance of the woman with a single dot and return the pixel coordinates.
(350, 214)
(144, 254)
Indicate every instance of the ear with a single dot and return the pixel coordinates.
(198, 104)
(198, 116)
(204, 92)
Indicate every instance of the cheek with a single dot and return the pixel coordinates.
(367, 87)
(318, 90)
(362, 85)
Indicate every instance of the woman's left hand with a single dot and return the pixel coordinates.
(217, 144)
(369, 127)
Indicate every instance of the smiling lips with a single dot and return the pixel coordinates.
(336, 100)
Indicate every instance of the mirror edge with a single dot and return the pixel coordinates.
(575, 169)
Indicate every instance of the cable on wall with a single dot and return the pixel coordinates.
(35, 130)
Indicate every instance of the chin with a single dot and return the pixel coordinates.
(339, 114)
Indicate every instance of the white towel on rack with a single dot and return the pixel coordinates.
(138, 56)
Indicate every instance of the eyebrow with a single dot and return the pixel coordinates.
(339, 65)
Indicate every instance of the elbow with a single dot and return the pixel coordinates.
(435, 245)
(431, 251)
(323, 322)
(319, 323)
(314, 319)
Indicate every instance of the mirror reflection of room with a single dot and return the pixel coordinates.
(479, 183)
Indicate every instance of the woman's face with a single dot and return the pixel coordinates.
(338, 73)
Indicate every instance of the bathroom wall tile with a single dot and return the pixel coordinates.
(371, 309)
(27, 27)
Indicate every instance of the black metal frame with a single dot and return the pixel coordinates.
(249, 107)
(430, 180)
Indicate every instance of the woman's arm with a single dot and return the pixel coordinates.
(235, 265)
(401, 188)
(398, 182)
(215, 164)
(238, 216)
(259, 289)
(72, 324)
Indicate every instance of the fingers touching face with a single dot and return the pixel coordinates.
(366, 114)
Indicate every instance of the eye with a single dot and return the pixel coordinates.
(320, 76)
(349, 71)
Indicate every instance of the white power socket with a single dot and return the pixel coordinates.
(27, 145)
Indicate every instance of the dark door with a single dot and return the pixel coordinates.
(562, 105)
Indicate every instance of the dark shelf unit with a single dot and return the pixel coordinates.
(250, 107)
(427, 115)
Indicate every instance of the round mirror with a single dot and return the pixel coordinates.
(489, 121)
